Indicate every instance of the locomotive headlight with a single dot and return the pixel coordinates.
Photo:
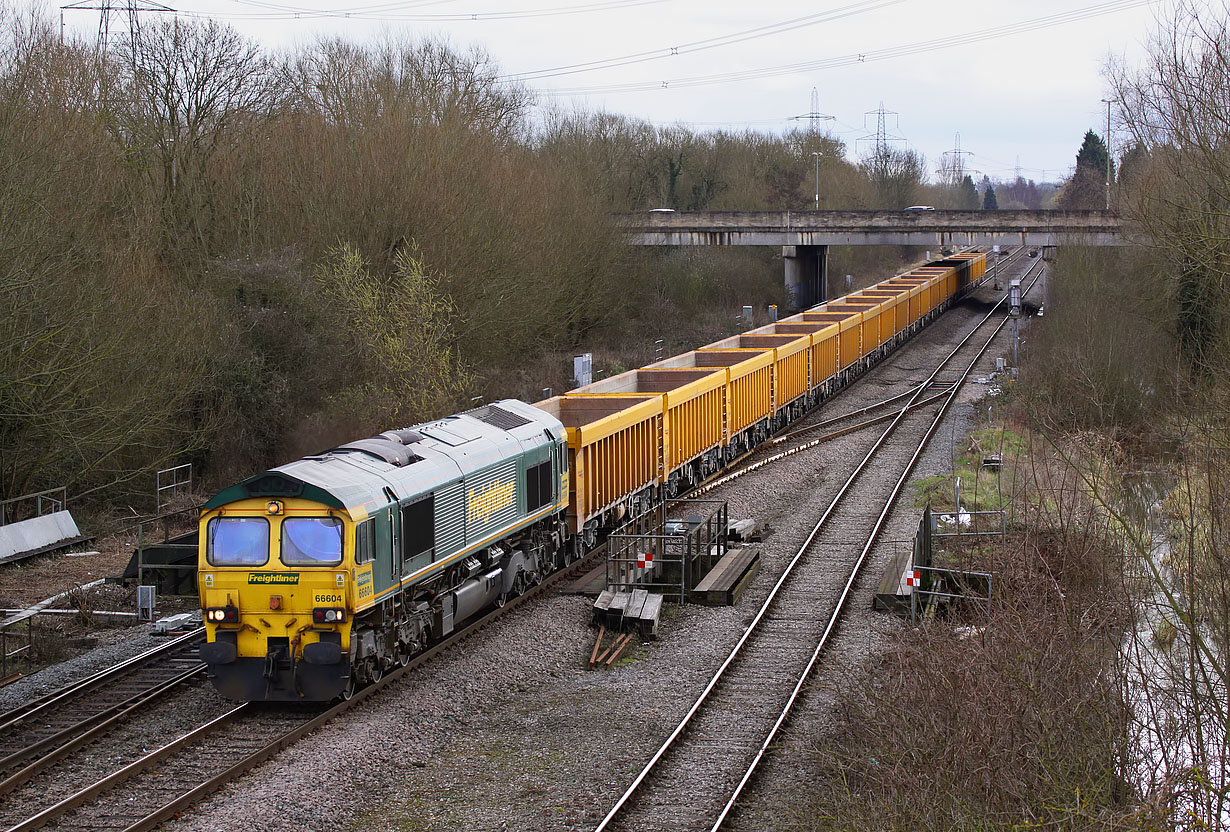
(220, 615)
(325, 615)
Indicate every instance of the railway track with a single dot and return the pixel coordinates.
(696, 777)
(167, 780)
(933, 389)
(39, 733)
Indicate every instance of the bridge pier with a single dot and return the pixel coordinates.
(807, 274)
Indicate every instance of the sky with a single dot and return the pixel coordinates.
(1020, 82)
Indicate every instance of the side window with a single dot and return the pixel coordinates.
(546, 482)
(365, 546)
(418, 527)
(538, 490)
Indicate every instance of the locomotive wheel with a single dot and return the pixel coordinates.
(404, 652)
(375, 672)
(503, 599)
(348, 691)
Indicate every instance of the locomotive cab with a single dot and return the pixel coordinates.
(277, 590)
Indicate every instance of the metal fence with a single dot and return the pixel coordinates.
(166, 549)
(931, 576)
(668, 553)
(962, 523)
(170, 482)
(33, 505)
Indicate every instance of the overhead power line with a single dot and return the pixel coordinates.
(904, 50)
(861, 7)
(390, 12)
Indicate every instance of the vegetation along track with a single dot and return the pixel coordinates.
(694, 780)
(41, 732)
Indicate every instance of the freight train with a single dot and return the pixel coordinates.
(319, 576)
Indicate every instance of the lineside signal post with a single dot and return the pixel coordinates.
(1014, 304)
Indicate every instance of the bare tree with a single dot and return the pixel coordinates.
(188, 86)
(896, 174)
(1177, 109)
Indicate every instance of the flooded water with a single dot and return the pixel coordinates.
(1174, 670)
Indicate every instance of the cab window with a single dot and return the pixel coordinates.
(311, 541)
(237, 541)
(364, 543)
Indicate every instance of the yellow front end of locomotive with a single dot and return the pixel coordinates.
(278, 594)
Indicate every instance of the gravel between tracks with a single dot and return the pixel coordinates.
(508, 731)
(116, 645)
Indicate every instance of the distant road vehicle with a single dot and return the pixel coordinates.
(661, 210)
(920, 208)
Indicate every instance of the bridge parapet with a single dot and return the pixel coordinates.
(846, 228)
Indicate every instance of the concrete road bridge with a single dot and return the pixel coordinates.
(806, 235)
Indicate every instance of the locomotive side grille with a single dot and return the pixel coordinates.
(491, 499)
(450, 516)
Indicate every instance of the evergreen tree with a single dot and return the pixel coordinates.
(989, 202)
(1093, 155)
(1086, 190)
(967, 194)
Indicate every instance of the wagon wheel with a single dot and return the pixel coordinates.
(348, 690)
(519, 584)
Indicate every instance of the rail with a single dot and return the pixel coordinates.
(752, 628)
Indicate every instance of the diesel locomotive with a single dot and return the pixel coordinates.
(321, 575)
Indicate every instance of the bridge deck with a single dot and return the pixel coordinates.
(854, 228)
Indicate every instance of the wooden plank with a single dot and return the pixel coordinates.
(623, 642)
(636, 603)
(619, 602)
(650, 615)
(728, 570)
(615, 612)
(886, 597)
(728, 579)
(604, 602)
(736, 591)
(597, 644)
(608, 650)
(591, 583)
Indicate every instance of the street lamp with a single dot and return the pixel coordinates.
(816, 154)
(1107, 102)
